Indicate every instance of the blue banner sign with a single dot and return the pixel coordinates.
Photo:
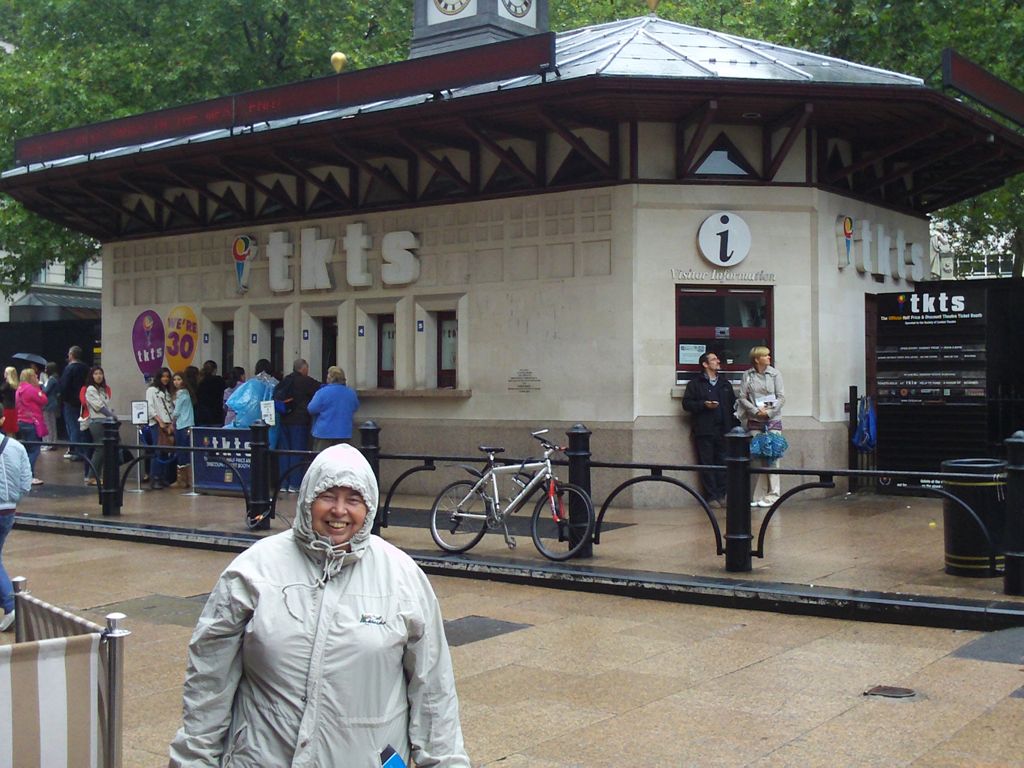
(221, 473)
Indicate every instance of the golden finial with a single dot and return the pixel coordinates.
(339, 60)
(652, 5)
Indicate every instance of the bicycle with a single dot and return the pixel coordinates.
(562, 522)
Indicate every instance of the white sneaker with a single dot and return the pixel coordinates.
(67, 455)
(766, 502)
(755, 503)
(7, 621)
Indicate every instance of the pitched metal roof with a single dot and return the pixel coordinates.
(650, 46)
(643, 47)
(911, 147)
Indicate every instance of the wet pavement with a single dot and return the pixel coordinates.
(570, 677)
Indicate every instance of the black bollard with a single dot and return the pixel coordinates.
(578, 454)
(1013, 531)
(369, 434)
(110, 483)
(260, 499)
(737, 511)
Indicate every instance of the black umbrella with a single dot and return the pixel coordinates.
(28, 357)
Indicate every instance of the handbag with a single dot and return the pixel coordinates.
(768, 444)
(163, 437)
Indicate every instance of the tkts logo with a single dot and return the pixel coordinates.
(243, 251)
(928, 304)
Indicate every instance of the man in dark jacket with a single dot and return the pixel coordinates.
(292, 397)
(210, 397)
(711, 400)
(72, 379)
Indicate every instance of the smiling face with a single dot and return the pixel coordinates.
(179, 382)
(338, 513)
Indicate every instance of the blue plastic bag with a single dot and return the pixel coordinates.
(245, 401)
(865, 436)
(769, 445)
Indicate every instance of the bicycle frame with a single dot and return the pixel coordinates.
(487, 486)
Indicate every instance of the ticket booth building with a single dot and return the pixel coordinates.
(532, 233)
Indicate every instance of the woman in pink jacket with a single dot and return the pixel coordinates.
(29, 401)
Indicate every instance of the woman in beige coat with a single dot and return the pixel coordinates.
(759, 407)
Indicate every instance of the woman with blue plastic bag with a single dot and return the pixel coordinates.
(759, 408)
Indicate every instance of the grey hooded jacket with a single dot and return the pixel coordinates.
(307, 655)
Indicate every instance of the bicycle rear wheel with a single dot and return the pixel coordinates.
(458, 517)
(554, 535)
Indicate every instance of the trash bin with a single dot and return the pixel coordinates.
(967, 551)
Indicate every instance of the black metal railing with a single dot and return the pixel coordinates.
(737, 543)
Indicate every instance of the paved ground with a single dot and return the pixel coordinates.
(577, 679)
(598, 680)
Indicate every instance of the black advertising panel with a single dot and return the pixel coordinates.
(933, 379)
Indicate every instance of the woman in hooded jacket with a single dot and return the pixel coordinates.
(322, 645)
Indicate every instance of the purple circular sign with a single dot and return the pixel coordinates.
(148, 342)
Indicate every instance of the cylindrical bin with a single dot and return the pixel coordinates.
(967, 550)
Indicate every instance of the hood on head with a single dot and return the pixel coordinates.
(337, 466)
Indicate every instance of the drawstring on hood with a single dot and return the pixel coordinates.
(340, 466)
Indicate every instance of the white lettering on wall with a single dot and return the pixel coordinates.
(356, 244)
(279, 253)
(401, 266)
(315, 254)
(875, 251)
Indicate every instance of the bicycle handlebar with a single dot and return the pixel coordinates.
(546, 443)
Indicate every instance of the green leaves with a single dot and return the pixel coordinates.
(82, 61)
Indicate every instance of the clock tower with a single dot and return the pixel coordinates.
(440, 26)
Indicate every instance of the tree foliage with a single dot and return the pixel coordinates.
(82, 61)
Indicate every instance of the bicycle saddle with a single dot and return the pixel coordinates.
(490, 449)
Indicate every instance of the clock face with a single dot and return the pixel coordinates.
(518, 8)
(451, 7)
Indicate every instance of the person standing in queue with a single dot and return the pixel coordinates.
(292, 398)
(97, 408)
(184, 420)
(210, 396)
(8, 390)
(51, 388)
(710, 399)
(160, 428)
(15, 481)
(333, 406)
(30, 400)
(762, 395)
(322, 645)
(72, 379)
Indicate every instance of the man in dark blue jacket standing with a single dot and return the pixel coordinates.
(71, 382)
(711, 400)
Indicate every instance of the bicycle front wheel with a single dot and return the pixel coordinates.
(554, 534)
(458, 517)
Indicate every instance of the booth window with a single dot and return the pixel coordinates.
(328, 344)
(227, 354)
(447, 349)
(277, 348)
(726, 321)
(386, 351)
